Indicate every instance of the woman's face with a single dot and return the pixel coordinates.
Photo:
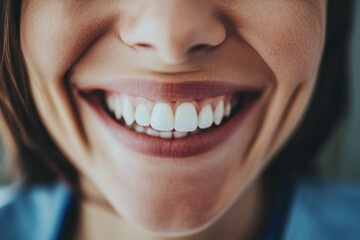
(171, 108)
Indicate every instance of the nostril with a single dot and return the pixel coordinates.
(198, 47)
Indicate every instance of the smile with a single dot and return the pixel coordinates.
(177, 126)
(169, 119)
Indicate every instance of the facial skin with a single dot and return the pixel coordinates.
(276, 44)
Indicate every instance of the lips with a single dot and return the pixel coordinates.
(152, 138)
(166, 91)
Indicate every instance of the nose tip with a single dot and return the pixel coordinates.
(177, 46)
(175, 31)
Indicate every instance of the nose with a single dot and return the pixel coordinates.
(174, 29)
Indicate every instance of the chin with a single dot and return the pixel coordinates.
(165, 214)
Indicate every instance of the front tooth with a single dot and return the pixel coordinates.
(186, 119)
(219, 112)
(167, 135)
(128, 111)
(142, 115)
(206, 117)
(162, 117)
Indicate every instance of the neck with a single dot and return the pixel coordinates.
(246, 219)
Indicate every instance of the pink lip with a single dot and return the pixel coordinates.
(171, 148)
(170, 91)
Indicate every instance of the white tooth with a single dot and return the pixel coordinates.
(142, 115)
(117, 108)
(152, 132)
(167, 135)
(128, 111)
(206, 117)
(228, 109)
(139, 129)
(162, 117)
(186, 119)
(219, 112)
(110, 101)
(180, 134)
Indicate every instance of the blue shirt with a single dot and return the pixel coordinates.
(304, 210)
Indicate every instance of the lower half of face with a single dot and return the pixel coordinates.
(170, 111)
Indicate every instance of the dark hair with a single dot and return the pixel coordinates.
(24, 136)
(32, 149)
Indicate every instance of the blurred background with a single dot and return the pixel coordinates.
(340, 157)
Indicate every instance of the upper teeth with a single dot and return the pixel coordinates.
(161, 116)
(186, 119)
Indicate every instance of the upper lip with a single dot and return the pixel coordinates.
(169, 91)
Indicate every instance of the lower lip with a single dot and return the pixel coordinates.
(174, 148)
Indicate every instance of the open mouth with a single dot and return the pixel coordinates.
(174, 119)
(173, 128)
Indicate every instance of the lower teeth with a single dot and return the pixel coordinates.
(166, 135)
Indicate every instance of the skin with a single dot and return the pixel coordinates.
(65, 42)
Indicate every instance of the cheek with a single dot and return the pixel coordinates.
(293, 51)
(55, 34)
(52, 38)
(289, 36)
